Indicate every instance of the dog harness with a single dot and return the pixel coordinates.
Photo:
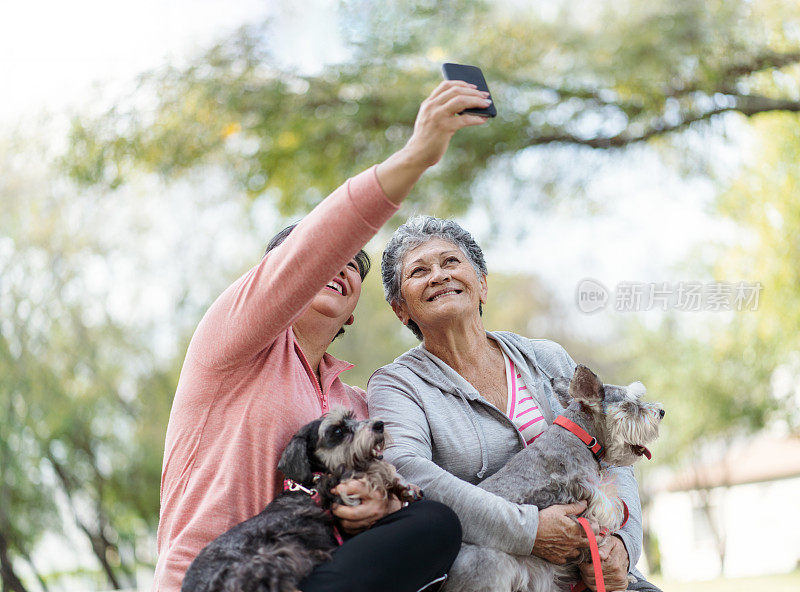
(292, 485)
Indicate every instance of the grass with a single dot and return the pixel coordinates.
(776, 583)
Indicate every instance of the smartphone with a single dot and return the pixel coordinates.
(473, 75)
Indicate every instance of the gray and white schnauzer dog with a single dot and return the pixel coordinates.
(274, 550)
(560, 468)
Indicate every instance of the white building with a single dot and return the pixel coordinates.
(745, 507)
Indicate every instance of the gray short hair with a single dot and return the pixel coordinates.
(415, 232)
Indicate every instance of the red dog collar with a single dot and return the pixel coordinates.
(591, 443)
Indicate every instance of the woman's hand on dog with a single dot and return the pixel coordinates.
(373, 506)
(615, 562)
(559, 536)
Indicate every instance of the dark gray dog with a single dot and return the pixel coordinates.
(276, 549)
(561, 469)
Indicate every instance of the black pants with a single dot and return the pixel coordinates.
(402, 552)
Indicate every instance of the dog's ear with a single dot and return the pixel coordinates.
(561, 389)
(585, 387)
(296, 459)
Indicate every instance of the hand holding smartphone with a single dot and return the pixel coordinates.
(472, 75)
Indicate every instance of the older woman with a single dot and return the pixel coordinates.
(463, 402)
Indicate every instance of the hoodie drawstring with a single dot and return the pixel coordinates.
(481, 435)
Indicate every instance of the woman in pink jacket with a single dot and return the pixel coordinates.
(257, 369)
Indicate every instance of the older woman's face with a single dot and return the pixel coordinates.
(438, 284)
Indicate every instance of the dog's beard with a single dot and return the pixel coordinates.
(355, 453)
(378, 477)
(358, 457)
(629, 434)
(367, 446)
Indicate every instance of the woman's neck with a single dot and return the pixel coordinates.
(313, 343)
(462, 347)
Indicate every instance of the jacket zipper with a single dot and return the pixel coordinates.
(503, 416)
(323, 396)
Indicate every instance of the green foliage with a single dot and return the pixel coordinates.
(711, 391)
(763, 203)
(716, 377)
(579, 73)
(71, 386)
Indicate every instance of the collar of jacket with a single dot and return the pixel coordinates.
(438, 373)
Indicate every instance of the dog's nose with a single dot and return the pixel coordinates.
(377, 426)
(661, 413)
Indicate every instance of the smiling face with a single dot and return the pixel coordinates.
(338, 299)
(438, 285)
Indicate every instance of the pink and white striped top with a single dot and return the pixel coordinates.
(522, 409)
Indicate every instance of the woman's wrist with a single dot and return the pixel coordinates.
(398, 174)
(393, 504)
(627, 555)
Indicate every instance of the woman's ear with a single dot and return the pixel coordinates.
(484, 290)
(400, 310)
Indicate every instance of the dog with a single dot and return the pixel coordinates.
(560, 468)
(274, 550)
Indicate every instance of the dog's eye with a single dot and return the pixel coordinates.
(337, 431)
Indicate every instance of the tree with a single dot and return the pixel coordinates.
(716, 374)
(725, 378)
(763, 203)
(71, 390)
(578, 76)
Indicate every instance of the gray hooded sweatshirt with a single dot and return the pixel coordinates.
(446, 438)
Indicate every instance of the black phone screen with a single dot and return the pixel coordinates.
(473, 75)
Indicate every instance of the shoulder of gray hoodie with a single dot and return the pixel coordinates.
(446, 438)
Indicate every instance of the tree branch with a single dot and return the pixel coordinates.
(731, 73)
(597, 96)
(8, 578)
(748, 105)
(752, 104)
(100, 545)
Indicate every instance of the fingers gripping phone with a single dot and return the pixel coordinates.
(473, 75)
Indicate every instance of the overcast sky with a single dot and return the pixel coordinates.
(52, 51)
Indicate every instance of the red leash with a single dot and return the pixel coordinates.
(598, 570)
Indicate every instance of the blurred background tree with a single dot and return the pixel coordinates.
(576, 73)
(83, 401)
(170, 193)
(727, 372)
